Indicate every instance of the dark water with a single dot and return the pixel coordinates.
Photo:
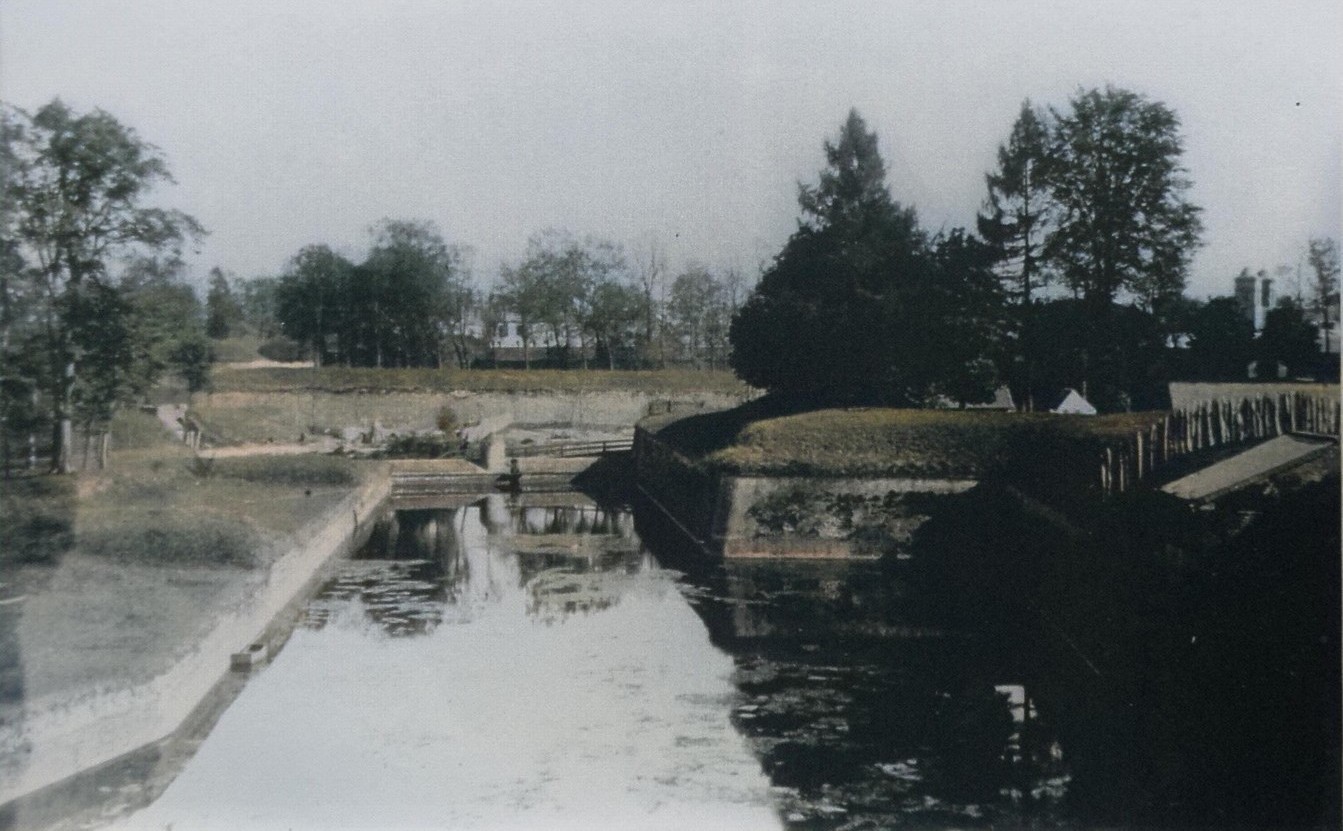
(500, 666)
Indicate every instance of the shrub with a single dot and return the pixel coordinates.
(36, 519)
(421, 447)
(280, 349)
(446, 420)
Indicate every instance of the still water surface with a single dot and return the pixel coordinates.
(498, 666)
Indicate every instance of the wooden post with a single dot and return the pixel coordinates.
(1137, 437)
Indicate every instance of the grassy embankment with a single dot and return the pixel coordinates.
(886, 442)
(256, 405)
(350, 380)
(120, 570)
(155, 503)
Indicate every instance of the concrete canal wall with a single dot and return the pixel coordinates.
(739, 516)
(59, 739)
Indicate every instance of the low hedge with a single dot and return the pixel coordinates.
(295, 470)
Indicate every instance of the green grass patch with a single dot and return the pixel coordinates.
(888, 442)
(346, 380)
(291, 471)
(172, 538)
(37, 515)
(137, 429)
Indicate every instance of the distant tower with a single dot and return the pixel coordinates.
(1254, 296)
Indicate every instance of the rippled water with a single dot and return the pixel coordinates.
(496, 666)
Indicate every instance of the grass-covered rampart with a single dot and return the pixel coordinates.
(752, 440)
(351, 380)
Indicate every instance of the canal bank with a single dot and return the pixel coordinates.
(56, 737)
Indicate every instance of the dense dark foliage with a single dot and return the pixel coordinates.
(861, 306)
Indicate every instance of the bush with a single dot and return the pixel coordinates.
(36, 519)
(421, 447)
(280, 349)
(446, 420)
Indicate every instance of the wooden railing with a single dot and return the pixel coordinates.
(1213, 424)
(573, 449)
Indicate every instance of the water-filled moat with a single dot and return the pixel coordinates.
(505, 666)
(510, 664)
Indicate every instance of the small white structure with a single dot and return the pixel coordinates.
(1073, 403)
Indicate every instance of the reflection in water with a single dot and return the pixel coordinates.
(537, 667)
(862, 720)
(485, 667)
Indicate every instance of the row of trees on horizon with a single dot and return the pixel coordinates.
(413, 301)
(1073, 276)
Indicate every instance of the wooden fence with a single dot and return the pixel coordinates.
(574, 449)
(1215, 424)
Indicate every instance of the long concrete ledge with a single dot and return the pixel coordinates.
(60, 739)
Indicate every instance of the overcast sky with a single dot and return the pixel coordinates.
(288, 123)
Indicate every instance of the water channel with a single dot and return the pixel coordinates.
(501, 665)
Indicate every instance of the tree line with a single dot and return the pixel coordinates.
(414, 301)
(1075, 277)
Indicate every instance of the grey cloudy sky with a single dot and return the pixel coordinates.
(288, 123)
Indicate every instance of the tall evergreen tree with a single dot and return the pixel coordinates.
(1016, 210)
(852, 309)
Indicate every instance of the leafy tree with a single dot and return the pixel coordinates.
(650, 266)
(223, 312)
(552, 290)
(1323, 257)
(403, 291)
(78, 187)
(1287, 338)
(1122, 222)
(524, 293)
(312, 299)
(615, 315)
(103, 328)
(960, 322)
(165, 311)
(1221, 340)
(1016, 211)
(1118, 361)
(697, 312)
(258, 302)
(190, 359)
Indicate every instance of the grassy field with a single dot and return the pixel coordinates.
(116, 574)
(156, 504)
(345, 379)
(879, 441)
